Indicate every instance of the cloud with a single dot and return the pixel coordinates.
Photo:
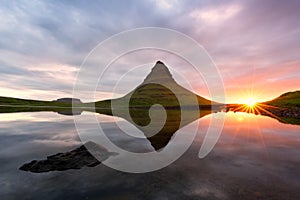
(43, 43)
(216, 15)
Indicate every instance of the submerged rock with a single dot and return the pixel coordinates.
(75, 159)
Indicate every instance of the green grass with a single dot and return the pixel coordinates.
(291, 120)
(13, 105)
(150, 94)
(25, 102)
(289, 99)
(9, 109)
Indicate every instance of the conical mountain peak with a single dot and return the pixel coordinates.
(159, 74)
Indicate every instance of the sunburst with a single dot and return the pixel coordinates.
(251, 102)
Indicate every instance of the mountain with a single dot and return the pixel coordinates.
(289, 99)
(160, 74)
(159, 87)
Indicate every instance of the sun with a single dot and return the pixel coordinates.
(249, 105)
(251, 102)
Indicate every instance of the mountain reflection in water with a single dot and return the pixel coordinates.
(256, 157)
(81, 157)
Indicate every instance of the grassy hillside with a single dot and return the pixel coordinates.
(159, 87)
(13, 105)
(149, 94)
(9, 101)
(289, 99)
(16, 102)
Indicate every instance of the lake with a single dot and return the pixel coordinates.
(256, 157)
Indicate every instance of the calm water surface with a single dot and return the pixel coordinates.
(256, 157)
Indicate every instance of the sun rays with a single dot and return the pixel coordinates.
(256, 108)
(251, 102)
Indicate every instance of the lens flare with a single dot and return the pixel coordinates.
(251, 102)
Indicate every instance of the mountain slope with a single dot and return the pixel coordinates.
(160, 87)
(289, 99)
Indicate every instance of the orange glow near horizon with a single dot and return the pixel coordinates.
(249, 97)
(250, 102)
(254, 107)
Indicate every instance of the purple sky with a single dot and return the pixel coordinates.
(255, 44)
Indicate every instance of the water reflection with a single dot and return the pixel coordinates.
(286, 115)
(80, 157)
(139, 117)
(279, 114)
(173, 123)
(256, 157)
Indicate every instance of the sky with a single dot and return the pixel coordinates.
(254, 44)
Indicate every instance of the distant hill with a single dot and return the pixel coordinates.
(160, 87)
(69, 100)
(27, 102)
(12, 105)
(289, 99)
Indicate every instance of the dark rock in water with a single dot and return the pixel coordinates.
(75, 159)
(69, 100)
